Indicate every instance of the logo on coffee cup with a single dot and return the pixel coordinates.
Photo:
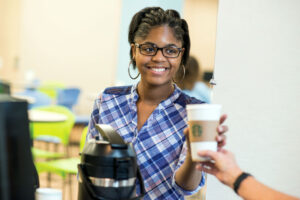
(196, 130)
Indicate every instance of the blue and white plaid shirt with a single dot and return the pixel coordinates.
(159, 145)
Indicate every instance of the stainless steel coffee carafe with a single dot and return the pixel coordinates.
(108, 168)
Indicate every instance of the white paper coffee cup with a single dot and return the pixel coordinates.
(48, 194)
(203, 120)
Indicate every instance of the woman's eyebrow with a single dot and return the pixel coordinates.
(168, 45)
(150, 43)
(171, 45)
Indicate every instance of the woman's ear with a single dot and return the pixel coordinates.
(182, 51)
(133, 50)
(181, 55)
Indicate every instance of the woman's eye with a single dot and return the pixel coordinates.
(149, 49)
(171, 50)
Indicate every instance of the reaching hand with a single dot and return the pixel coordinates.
(223, 166)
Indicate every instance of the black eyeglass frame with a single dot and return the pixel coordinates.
(158, 48)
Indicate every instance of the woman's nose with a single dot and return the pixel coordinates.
(159, 56)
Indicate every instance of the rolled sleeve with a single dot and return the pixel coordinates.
(175, 185)
(188, 192)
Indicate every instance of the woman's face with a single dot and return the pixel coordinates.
(158, 69)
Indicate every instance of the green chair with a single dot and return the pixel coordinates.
(51, 88)
(40, 153)
(63, 167)
(52, 132)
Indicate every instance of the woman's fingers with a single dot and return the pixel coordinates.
(221, 138)
(222, 118)
(186, 131)
(222, 129)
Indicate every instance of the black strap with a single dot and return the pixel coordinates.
(239, 180)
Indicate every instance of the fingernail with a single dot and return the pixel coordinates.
(220, 128)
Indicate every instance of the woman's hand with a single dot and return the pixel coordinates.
(220, 138)
(221, 129)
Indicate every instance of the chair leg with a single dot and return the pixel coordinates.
(48, 179)
(70, 185)
(48, 174)
(67, 151)
(55, 147)
(64, 190)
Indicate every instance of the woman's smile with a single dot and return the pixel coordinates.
(157, 69)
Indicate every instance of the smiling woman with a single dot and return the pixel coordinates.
(151, 114)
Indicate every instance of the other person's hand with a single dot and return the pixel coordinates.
(222, 165)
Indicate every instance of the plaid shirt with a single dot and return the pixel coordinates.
(160, 144)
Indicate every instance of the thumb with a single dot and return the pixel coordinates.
(186, 132)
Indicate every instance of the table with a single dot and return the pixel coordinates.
(45, 116)
(41, 116)
(29, 99)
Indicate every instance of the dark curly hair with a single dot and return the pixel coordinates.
(147, 18)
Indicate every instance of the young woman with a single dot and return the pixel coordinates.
(151, 114)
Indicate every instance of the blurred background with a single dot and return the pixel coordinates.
(64, 53)
(84, 43)
(59, 47)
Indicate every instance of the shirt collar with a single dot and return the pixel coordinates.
(171, 99)
(163, 105)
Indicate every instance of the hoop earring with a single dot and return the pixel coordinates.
(133, 78)
(182, 76)
(183, 73)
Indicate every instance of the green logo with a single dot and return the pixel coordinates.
(196, 130)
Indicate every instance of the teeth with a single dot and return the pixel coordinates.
(158, 69)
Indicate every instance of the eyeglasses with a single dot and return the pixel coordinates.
(151, 50)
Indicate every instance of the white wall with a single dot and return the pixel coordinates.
(9, 38)
(257, 70)
(74, 42)
(201, 16)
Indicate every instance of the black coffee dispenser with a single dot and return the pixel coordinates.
(108, 168)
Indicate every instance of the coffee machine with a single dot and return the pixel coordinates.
(108, 168)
